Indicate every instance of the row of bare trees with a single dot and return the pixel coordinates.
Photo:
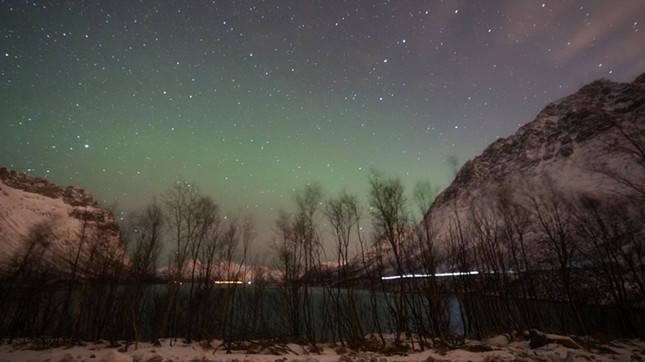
(353, 297)
(580, 252)
(96, 287)
(517, 259)
(513, 260)
(72, 292)
(580, 256)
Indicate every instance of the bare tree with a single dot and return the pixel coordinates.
(305, 231)
(206, 215)
(290, 262)
(238, 231)
(460, 260)
(181, 208)
(613, 251)
(74, 264)
(146, 233)
(555, 221)
(27, 263)
(28, 274)
(342, 214)
(515, 220)
(390, 220)
(424, 239)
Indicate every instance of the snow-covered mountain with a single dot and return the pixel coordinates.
(572, 145)
(222, 270)
(590, 143)
(57, 220)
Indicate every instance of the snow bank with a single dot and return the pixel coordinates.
(496, 348)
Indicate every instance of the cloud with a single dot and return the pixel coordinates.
(607, 26)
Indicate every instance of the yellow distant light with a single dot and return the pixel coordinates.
(228, 282)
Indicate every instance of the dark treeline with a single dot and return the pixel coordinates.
(542, 258)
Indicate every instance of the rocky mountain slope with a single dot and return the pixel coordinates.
(57, 219)
(572, 145)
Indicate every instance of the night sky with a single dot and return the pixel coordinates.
(252, 100)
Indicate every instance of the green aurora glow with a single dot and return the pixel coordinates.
(253, 100)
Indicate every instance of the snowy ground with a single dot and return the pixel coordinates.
(494, 349)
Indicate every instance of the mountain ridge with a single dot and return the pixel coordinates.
(572, 141)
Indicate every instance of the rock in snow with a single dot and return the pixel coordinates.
(114, 356)
(499, 341)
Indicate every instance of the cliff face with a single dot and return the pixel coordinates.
(572, 145)
(68, 218)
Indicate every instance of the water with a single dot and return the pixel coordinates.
(264, 312)
(254, 312)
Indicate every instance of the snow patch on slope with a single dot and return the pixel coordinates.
(65, 210)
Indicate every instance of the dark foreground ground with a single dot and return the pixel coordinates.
(520, 347)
